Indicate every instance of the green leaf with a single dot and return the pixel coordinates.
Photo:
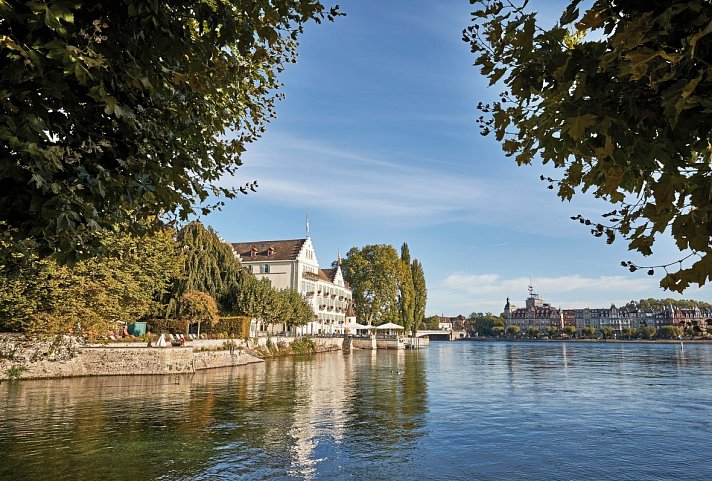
(577, 125)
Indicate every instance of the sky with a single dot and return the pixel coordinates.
(376, 141)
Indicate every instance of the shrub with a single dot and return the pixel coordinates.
(15, 372)
(172, 326)
(304, 345)
(234, 326)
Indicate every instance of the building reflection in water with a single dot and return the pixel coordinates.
(286, 417)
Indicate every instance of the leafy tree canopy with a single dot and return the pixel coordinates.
(125, 283)
(289, 307)
(406, 291)
(197, 306)
(617, 96)
(484, 324)
(374, 273)
(208, 265)
(115, 112)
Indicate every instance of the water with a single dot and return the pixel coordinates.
(470, 411)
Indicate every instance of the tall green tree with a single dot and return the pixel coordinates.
(208, 265)
(289, 307)
(421, 292)
(374, 272)
(618, 97)
(114, 113)
(406, 291)
(252, 297)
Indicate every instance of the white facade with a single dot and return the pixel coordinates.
(293, 264)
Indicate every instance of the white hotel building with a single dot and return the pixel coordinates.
(292, 264)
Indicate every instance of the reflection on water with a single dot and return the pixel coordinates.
(530, 411)
(281, 419)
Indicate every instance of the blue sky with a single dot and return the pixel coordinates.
(377, 141)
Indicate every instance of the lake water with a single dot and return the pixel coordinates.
(457, 410)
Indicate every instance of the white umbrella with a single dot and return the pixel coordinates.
(354, 326)
(389, 325)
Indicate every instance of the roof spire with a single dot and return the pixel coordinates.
(531, 286)
(338, 257)
(307, 225)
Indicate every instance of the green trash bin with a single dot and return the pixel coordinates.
(137, 328)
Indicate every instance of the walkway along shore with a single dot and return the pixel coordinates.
(66, 356)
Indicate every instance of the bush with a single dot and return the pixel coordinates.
(233, 326)
(304, 345)
(170, 326)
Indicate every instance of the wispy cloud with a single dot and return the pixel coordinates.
(385, 187)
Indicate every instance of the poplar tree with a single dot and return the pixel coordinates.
(421, 294)
(406, 290)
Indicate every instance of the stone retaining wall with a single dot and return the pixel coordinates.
(66, 356)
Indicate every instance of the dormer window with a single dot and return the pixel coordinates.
(253, 251)
(270, 251)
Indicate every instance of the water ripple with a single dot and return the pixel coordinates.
(485, 411)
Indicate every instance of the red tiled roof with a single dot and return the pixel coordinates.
(284, 250)
(330, 274)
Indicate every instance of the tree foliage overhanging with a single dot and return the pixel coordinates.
(618, 97)
(115, 112)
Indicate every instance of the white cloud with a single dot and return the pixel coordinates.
(462, 293)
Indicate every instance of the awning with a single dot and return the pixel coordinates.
(389, 325)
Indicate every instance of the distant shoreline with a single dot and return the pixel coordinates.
(594, 341)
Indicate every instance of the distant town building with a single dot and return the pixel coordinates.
(292, 264)
(630, 316)
(452, 323)
(537, 313)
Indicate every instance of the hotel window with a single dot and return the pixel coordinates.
(265, 269)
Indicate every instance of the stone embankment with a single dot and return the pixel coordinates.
(65, 356)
